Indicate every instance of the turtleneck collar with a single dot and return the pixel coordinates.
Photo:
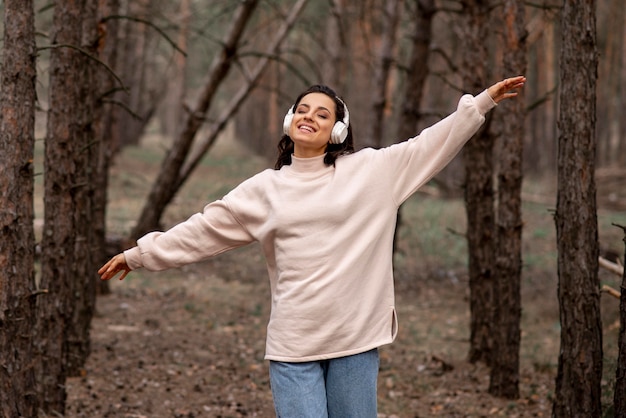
(308, 166)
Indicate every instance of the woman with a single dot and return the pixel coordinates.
(325, 219)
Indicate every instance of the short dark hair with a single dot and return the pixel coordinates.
(286, 146)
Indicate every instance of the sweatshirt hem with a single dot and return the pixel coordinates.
(328, 356)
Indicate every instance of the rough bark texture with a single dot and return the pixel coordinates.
(17, 240)
(580, 361)
(479, 192)
(68, 273)
(504, 379)
(619, 397)
(86, 247)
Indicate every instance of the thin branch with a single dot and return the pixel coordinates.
(82, 51)
(123, 106)
(446, 58)
(152, 25)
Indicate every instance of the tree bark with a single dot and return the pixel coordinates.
(619, 397)
(18, 397)
(578, 392)
(85, 248)
(418, 69)
(504, 378)
(68, 272)
(104, 121)
(379, 92)
(479, 193)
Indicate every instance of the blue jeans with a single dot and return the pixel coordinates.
(343, 387)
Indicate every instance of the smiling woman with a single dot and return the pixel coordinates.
(325, 218)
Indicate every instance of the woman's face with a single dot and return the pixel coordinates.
(312, 125)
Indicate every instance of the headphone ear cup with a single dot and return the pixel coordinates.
(287, 121)
(339, 133)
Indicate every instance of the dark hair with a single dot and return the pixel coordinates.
(286, 146)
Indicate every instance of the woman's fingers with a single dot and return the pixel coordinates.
(506, 88)
(114, 266)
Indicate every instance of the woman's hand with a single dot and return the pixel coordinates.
(114, 266)
(506, 88)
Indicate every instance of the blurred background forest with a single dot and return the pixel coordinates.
(341, 43)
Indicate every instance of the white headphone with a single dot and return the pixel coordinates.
(340, 129)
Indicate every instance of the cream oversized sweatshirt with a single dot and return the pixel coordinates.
(326, 233)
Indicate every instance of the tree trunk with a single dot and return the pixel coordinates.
(479, 193)
(579, 373)
(103, 129)
(133, 68)
(504, 379)
(18, 397)
(336, 40)
(68, 273)
(379, 92)
(172, 108)
(417, 70)
(416, 80)
(84, 267)
(619, 397)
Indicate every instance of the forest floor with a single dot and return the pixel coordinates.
(190, 342)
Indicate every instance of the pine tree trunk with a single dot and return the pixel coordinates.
(68, 273)
(418, 69)
(379, 92)
(579, 373)
(416, 80)
(86, 170)
(504, 379)
(18, 396)
(333, 72)
(103, 129)
(479, 193)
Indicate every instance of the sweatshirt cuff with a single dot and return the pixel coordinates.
(484, 102)
(133, 258)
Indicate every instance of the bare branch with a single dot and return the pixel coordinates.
(152, 25)
(82, 51)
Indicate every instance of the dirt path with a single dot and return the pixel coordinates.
(190, 343)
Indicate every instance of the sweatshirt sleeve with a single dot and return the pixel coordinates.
(211, 232)
(414, 162)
